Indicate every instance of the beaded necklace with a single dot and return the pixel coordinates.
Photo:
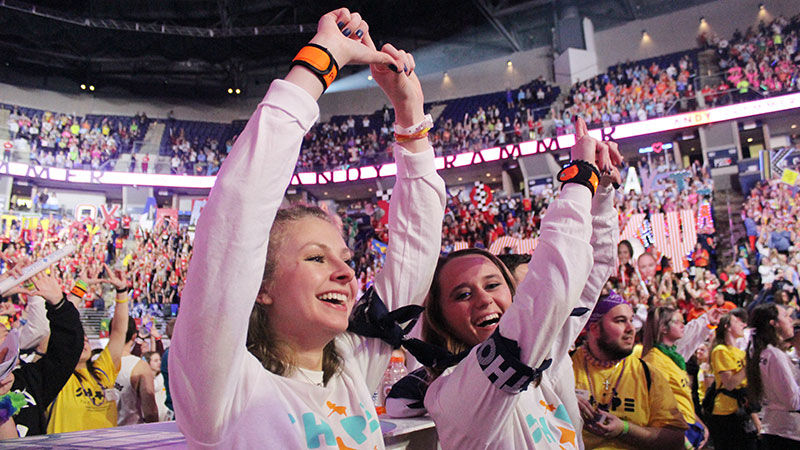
(615, 400)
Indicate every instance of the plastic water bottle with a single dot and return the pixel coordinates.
(393, 374)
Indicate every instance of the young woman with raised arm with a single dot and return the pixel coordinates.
(295, 378)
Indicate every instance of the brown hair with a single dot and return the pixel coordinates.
(434, 326)
(765, 334)
(725, 323)
(657, 319)
(274, 354)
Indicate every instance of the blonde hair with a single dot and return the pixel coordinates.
(262, 342)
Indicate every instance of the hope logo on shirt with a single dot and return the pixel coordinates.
(317, 429)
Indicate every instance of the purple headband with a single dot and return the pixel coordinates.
(604, 305)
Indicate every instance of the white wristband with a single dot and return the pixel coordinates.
(427, 122)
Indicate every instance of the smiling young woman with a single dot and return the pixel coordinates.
(515, 381)
(295, 378)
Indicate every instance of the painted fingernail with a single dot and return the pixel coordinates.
(405, 69)
(346, 32)
(359, 33)
(340, 25)
(392, 67)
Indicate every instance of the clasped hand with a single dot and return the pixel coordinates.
(346, 35)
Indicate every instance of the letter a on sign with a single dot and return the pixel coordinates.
(632, 182)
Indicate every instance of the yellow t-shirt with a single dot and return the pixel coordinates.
(82, 403)
(705, 376)
(677, 379)
(726, 358)
(654, 407)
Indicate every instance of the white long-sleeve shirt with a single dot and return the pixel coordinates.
(223, 397)
(469, 411)
(781, 381)
(605, 234)
(695, 333)
(604, 241)
(36, 326)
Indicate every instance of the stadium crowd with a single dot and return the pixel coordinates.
(628, 92)
(155, 262)
(191, 157)
(766, 270)
(763, 59)
(68, 141)
(698, 350)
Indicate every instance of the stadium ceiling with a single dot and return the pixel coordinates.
(202, 47)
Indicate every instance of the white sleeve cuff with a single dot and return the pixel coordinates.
(577, 193)
(413, 165)
(293, 100)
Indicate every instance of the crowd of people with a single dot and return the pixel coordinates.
(628, 92)
(193, 157)
(154, 261)
(69, 141)
(629, 348)
(762, 60)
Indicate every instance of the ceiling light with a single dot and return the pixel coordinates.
(794, 125)
(369, 77)
(460, 179)
(230, 90)
(83, 86)
(238, 91)
(749, 139)
(488, 174)
(91, 87)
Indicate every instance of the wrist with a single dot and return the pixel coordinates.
(59, 303)
(408, 116)
(626, 428)
(332, 47)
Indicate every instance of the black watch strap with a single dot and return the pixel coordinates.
(580, 172)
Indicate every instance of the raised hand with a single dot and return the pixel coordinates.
(115, 277)
(714, 315)
(341, 32)
(400, 83)
(47, 287)
(586, 147)
(604, 155)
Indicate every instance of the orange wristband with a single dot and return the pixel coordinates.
(410, 137)
(580, 172)
(319, 61)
